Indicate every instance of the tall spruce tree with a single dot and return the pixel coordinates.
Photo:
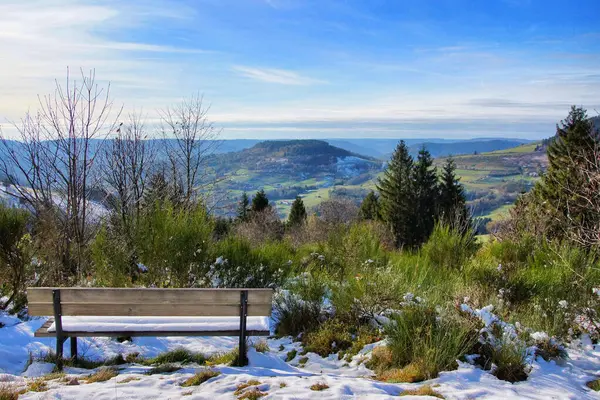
(297, 215)
(396, 200)
(369, 208)
(243, 208)
(566, 188)
(452, 204)
(260, 202)
(425, 193)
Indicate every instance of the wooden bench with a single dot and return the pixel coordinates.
(77, 304)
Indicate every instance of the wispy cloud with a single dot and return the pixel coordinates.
(272, 75)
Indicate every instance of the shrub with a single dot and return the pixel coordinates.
(15, 254)
(238, 264)
(200, 377)
(442, 339)
(330, 337)
(365, 335)
(173, 243)
(295, 315)
(506, 359)
(372, 290)
(102, 375)
(449, 248)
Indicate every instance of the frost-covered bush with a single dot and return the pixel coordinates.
(238, 264)
(367, 296)
(501, 347)
(294, 315)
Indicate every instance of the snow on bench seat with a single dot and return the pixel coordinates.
(159, 324)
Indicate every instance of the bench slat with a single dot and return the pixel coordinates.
(152, 334)
(149, 295)
(147, 310)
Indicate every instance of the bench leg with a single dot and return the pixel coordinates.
(243, 359)
(74, 348)
(60, 341)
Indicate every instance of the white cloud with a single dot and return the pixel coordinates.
(272, 75)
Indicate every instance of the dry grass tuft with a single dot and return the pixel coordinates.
(200, 377)
(594, 385)
(319, 386)
(240, 388)
(53, 375)
(413, 372)
(163, 369)
(8, 393)
(425, 390)
(228, 358)
(102, 375)
(252, 394)
(261, 346)
(38, 385)
(130, 379)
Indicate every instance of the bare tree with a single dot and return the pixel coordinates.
(191, 138)
(51, 164)
(126, 168)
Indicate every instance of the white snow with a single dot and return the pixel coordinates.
(278, 378)
(168, 324)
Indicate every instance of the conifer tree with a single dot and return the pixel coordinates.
(297, 215)
(566, 188)
(260, 201)
(396, 202)
(425, 195)
(369, 208)
(158, 189)
(452, 204)
(243, 208)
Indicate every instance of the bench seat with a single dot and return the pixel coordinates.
(154, 326)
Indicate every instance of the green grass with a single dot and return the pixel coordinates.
(200, 377)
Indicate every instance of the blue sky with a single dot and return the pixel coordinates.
(293, 68)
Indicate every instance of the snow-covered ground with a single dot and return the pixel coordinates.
(278, 378)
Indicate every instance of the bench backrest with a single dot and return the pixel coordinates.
(149, 302)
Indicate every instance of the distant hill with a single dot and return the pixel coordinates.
(466, 147)
(295, 156)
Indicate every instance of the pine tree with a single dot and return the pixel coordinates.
(158, 189)
(396, 202)
(369, 208)
(243, 208)
(297, 213)
(452, 204)
(260, 201)
(425, 194)
(565, 189)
